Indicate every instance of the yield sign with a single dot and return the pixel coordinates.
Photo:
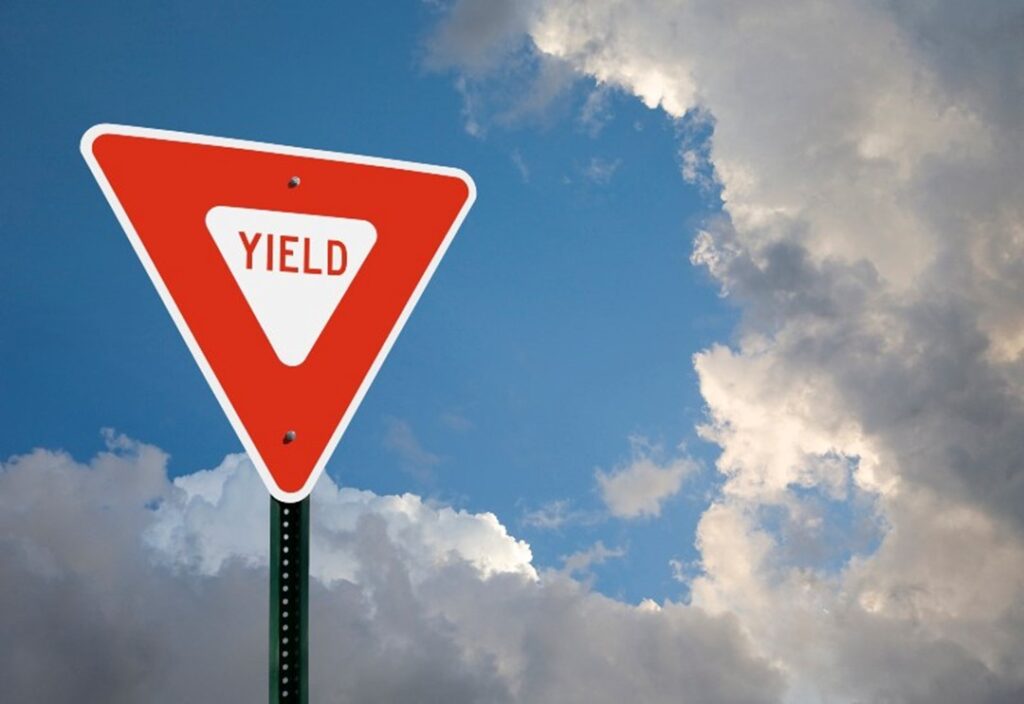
(289, 272)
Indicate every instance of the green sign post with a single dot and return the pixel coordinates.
(289, 602)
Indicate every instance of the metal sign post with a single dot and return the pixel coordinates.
(289, 602)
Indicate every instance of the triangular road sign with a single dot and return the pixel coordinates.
(289, 272)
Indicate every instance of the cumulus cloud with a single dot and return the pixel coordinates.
(119, 585)
(640, 487)
(501, 80)
(870, 163)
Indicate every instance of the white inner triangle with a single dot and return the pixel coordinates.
(292, 268)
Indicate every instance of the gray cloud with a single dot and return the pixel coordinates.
(478, 35)
(118, 585)
(870, 160)
(501, 80)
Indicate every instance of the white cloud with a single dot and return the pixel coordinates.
(551, 516)
(221, 514)
(595, 112)
(579, 563)
(416, 460)
(642, 486)
(600, 171)
(520, 164)
(118, 585)
(871, 164)
(456, 421)
(558, 514)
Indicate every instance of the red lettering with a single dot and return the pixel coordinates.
(332, 246)
(286, 253)
(306, 268)
(250, 247)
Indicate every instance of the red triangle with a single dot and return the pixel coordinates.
(163, 184)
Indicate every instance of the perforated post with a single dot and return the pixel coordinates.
(289, 598)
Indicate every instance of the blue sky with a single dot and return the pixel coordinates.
(560, 324)
(793, 228)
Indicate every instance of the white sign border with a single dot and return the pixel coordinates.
(96, 131)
